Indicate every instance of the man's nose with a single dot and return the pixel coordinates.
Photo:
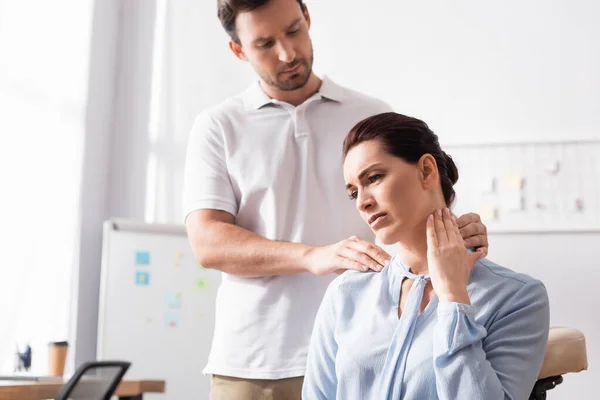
(286, 52)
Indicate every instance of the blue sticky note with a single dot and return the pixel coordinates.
(173, 299)
(142, 258)
(171, 319)
(142, 278)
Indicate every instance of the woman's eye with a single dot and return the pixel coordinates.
(352, 195)
(374, 178)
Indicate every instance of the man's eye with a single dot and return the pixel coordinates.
(266, 45)
(293, 33)
(352, 195)
(374, 178)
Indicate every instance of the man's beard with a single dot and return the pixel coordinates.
(293, 82)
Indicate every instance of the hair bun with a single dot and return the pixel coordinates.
(451, 168)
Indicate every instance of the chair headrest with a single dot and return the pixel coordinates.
(565, 352)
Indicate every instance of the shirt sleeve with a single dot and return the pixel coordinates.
(502, 363)
(320, 380)
(206, 182)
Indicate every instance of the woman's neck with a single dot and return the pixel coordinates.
(413, 251)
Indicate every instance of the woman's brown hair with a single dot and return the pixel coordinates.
(406, 138)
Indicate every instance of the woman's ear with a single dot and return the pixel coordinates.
(428, 171)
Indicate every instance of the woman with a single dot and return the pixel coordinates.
(437, 322)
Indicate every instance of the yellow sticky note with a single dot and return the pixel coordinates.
(513, 182)
(487, 213)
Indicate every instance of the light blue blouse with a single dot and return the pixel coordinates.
(491, 349)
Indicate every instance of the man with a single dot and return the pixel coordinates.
(265, 202)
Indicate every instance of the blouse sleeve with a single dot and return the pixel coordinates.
(502, 363)
(320, 380)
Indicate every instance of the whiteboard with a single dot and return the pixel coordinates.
(157, 307)
(530, 187)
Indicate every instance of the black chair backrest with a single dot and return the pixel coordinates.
(95, 380)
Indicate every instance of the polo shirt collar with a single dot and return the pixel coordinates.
(255, 98)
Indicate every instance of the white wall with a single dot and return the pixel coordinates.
(474, 70)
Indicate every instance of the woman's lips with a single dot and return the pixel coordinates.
(375, 219)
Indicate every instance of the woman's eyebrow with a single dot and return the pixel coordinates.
(364, 172)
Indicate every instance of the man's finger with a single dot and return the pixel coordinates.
(474, 256)
(373, 251)
(352, 252)
(469, 218)
(476, 241)
(347, 263)
(473, 229)
(432, 242)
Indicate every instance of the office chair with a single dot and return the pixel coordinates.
(565, 353)
(96, 380)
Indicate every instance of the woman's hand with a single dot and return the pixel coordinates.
(447, 258)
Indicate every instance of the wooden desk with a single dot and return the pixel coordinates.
(39, 390)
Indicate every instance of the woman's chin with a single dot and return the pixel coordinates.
(386, 236)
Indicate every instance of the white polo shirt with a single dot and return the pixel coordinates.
(278, 169)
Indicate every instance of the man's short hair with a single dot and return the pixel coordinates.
(228, 10)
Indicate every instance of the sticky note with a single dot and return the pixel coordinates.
(171, 319)
(173, 299)
(487, 213)
(579, 204)
(200, 283)
(142, 258)
(179, 255)
(142, 278)
(513, 182)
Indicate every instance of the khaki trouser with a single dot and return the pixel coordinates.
(229, 388)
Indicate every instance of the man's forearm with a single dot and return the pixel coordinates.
(236, 251)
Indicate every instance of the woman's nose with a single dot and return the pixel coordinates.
(363, 201)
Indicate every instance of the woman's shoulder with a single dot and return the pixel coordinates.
(491, 272)
(491, 283)
(351, 283)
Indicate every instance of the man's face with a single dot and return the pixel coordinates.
(275, 41)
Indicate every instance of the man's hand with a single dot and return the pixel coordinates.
(352, 253)
(474, 232)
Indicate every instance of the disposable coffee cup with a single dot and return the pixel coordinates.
(57, 355)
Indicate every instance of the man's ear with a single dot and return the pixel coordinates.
(238, 50)
(306, 14)
(428, 171)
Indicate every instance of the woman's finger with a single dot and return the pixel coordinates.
(440, 230)
(448, 226)
(432, 242)
(456, 229)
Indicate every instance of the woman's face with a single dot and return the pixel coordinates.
(392, 196)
